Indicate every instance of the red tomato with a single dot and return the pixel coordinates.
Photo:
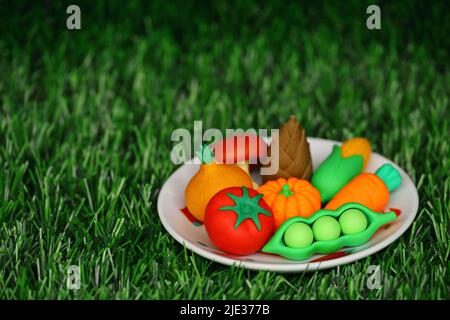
(238, 220)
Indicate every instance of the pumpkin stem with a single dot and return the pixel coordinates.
(286, 191)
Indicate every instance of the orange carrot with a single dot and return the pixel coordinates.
(371, 190)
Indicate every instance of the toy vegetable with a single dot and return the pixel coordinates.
(294, 154)
(342, 165)
(290, 198)
(211, 178)
(371, 190)
(357, 146)
(327, 228)
(238, 220)
(242, 150)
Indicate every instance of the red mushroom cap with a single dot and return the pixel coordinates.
(240, 149)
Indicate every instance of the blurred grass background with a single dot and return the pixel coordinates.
(86, 118)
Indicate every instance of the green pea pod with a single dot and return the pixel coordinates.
(335, 172)
(375, 221)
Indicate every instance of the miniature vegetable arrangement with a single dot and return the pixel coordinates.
(284, 216)
(290, 198)
(211, 178)
(238, 220)
(326, 227)
(342, 165)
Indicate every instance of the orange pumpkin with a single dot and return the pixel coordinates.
(290, 198)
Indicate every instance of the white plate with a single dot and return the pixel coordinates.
(195, 238)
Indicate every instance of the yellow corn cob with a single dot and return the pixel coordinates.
(356, 146)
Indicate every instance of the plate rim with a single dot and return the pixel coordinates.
(294, 267)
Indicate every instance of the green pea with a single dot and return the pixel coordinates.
(326, 228)
(353, 221)
(298, 235)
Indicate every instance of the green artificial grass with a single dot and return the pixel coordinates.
(86, 118)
